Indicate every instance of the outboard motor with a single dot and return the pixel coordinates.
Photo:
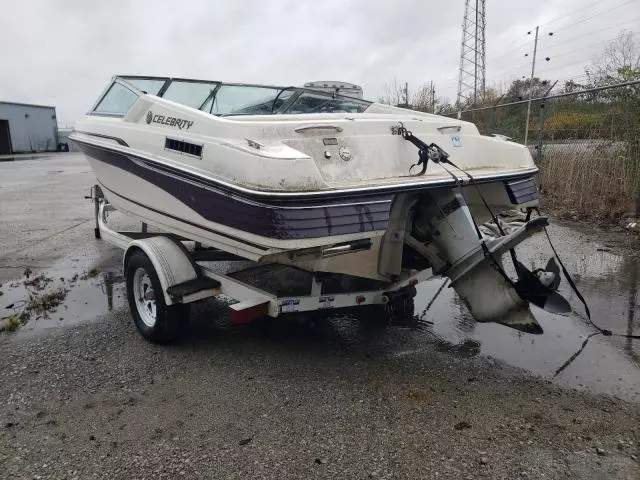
(443, 222)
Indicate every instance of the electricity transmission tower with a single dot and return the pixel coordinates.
(471, 81)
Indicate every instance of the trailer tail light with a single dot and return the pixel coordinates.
(245, 312)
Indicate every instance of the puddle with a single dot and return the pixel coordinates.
(85, 296)
(609, 282)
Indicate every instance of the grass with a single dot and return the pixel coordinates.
(10, 323)
(39, 304)
(588, 186)
(43, 303)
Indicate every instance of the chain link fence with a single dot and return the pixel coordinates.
(587, 145)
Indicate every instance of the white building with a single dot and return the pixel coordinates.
(27, 128)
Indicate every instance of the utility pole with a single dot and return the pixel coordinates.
(406, 94)
(433, 98)
(533, 69)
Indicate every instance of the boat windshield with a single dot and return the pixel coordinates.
(224, 99)
(250, 100)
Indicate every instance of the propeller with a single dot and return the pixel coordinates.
(540, 287)
(552, 267)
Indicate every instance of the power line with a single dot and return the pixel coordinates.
(585, 47)
(582, 9)
(591, 32)
(582, 20)
(569, 40)
(511, 71)
(508, 51)
(516, 70)
(521, 44)
(546, 72)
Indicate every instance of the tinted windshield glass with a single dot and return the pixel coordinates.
(148, 85)
(239, 99)
(244, 100)
(117, 101)
(311, 102)
(191, 94)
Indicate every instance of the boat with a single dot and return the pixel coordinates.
(324, 182)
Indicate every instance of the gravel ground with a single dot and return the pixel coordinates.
(286, 401)
(89, 398)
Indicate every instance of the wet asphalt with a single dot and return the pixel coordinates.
(303, 397)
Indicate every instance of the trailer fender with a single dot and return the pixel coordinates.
(170, 259)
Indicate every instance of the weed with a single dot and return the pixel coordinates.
(43, 303)
(10, 323)
(586, 187)
(91, 273)
(39, 282)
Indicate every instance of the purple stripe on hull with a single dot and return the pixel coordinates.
(277, 219)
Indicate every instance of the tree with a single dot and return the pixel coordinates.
(444, 106)
(520, 89)
(393, 93)
(619, 62)
(424, 99)
(571, 86)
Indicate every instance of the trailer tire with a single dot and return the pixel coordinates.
(155, 320)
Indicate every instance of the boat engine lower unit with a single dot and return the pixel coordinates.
(441, 232)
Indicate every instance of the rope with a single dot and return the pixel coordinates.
(602, 331)
(575, 355)
(441, 157)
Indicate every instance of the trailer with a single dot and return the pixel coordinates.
(165, 273)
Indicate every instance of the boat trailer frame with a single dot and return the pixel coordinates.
(252, 302)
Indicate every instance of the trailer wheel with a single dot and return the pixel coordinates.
(155, 320)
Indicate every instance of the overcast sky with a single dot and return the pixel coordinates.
(63, 52)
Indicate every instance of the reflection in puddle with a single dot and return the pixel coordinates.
(632, 328)
(609, 283)
(109, 280)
